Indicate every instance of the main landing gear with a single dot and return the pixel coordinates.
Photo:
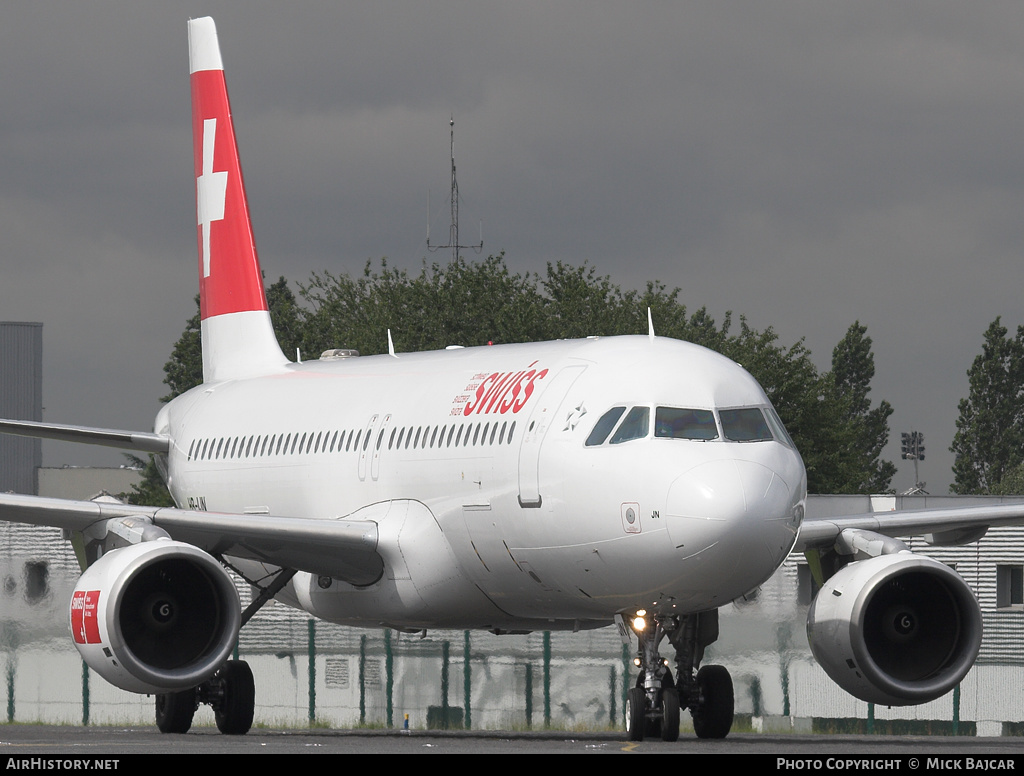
(653, 704)
(231, 691)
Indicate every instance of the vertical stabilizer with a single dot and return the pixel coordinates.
(238, 339)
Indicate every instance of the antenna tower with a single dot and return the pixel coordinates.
(453, 233)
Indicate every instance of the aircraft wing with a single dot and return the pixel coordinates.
(126, 440)
(952, 525)
(339, 548)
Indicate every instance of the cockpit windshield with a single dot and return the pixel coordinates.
(675, 423)
(745, 424)
(738, 424)
(604, 426)
(635, 425)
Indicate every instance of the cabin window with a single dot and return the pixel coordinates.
(746, 424)
(673, 423)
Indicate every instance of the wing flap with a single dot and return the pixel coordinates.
(338, 548)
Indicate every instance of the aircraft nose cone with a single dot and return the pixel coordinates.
(739, 517)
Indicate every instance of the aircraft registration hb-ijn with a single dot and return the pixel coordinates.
(557, 485)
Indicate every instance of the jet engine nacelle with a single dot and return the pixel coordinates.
(897, 629)
(155, 617)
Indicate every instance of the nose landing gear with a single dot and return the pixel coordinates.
(653, 704)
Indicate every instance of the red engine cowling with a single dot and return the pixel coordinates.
(897, 629)
(155, 617)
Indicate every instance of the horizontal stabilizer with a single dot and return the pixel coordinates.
(126, 440)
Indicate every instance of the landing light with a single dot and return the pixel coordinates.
(639, 623)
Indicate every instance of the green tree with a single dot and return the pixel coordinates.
(866, 428)
(988, 439)
(462, 303)
(1011, 483)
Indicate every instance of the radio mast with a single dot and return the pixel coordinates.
(453, 230)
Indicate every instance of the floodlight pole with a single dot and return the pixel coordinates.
(912, 449)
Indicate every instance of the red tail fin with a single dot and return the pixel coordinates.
(233, 305)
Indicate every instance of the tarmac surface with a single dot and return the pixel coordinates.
(48, 747)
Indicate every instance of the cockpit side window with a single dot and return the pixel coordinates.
(635, 426)
(675, 423)
(746, 424)
(604, 426)
(777, 428)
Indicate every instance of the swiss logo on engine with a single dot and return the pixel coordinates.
(85, 625)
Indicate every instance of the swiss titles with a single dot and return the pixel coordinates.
(498, 393)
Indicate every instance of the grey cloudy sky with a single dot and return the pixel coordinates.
(804, 164)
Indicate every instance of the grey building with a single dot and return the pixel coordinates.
(21, 398)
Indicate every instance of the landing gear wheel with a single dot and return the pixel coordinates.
(670, 714)
(174, 711)
(636, 713)
(713, 717)
(234, 710)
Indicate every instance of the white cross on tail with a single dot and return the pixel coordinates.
(211, 191)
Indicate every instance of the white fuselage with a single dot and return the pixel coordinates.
(475, 462)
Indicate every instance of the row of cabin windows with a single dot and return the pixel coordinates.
(411, 437)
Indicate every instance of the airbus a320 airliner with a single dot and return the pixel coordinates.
(640, 481)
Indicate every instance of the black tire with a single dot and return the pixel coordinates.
(670, 715)
(175, 710)
(235, 710)
(636, 713)
(713, 717)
